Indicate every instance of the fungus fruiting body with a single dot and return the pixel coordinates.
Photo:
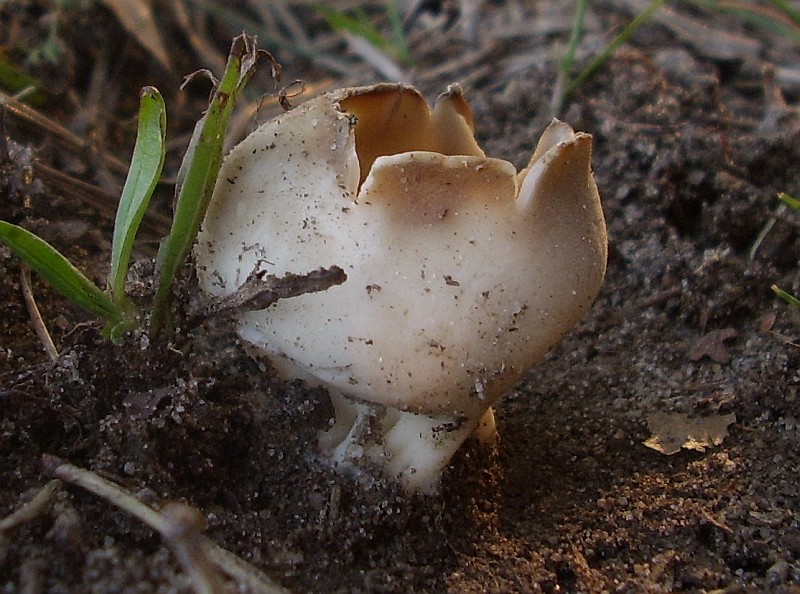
(461, 272)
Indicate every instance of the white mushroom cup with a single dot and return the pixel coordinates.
(461, 272)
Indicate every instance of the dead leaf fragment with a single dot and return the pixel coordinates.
(767, 322)
(138, 19)
(673, 431)
(713, 346)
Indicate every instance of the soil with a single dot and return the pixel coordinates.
(692, 142)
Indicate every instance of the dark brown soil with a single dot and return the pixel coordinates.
(691, 147)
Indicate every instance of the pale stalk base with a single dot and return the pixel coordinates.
(412, 448)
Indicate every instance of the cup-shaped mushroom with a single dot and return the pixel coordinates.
(461, 272)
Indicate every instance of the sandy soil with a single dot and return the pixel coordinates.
(694, 135)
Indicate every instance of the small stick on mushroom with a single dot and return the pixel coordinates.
(261, 290)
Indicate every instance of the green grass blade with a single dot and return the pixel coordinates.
(199, 172)
(781, 21)
(789, 10)
(143, 175)
(787, 297)
(59, 272)
(357, 25)
(399, 41)
(14, 80)
(568, 61)
(793, 202)
(612, 47)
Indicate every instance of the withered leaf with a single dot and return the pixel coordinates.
(673, 431)
(139, 20)
(713, 345)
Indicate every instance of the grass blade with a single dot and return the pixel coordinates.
(793, 202)
(612, 47)
(359, 25)
(198, 173)
(787, 297)
(399, 41)
(143, 175)
(568, 61)
(789, 10)
(59, 272)
(14, 80)
(781, 20)
(356, 25)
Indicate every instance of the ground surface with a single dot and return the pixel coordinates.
(695, 131)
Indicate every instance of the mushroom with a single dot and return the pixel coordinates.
(462, 273)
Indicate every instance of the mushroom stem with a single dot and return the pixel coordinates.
(412, 448)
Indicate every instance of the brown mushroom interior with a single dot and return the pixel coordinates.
(396, 119)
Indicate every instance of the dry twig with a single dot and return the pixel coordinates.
(180, 527)
(259, 291)
(68, 140)
(36, 316)
(33, 509)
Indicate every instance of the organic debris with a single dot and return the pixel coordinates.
(675, 431)
(713, 346)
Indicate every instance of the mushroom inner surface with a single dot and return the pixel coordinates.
(393, 119)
